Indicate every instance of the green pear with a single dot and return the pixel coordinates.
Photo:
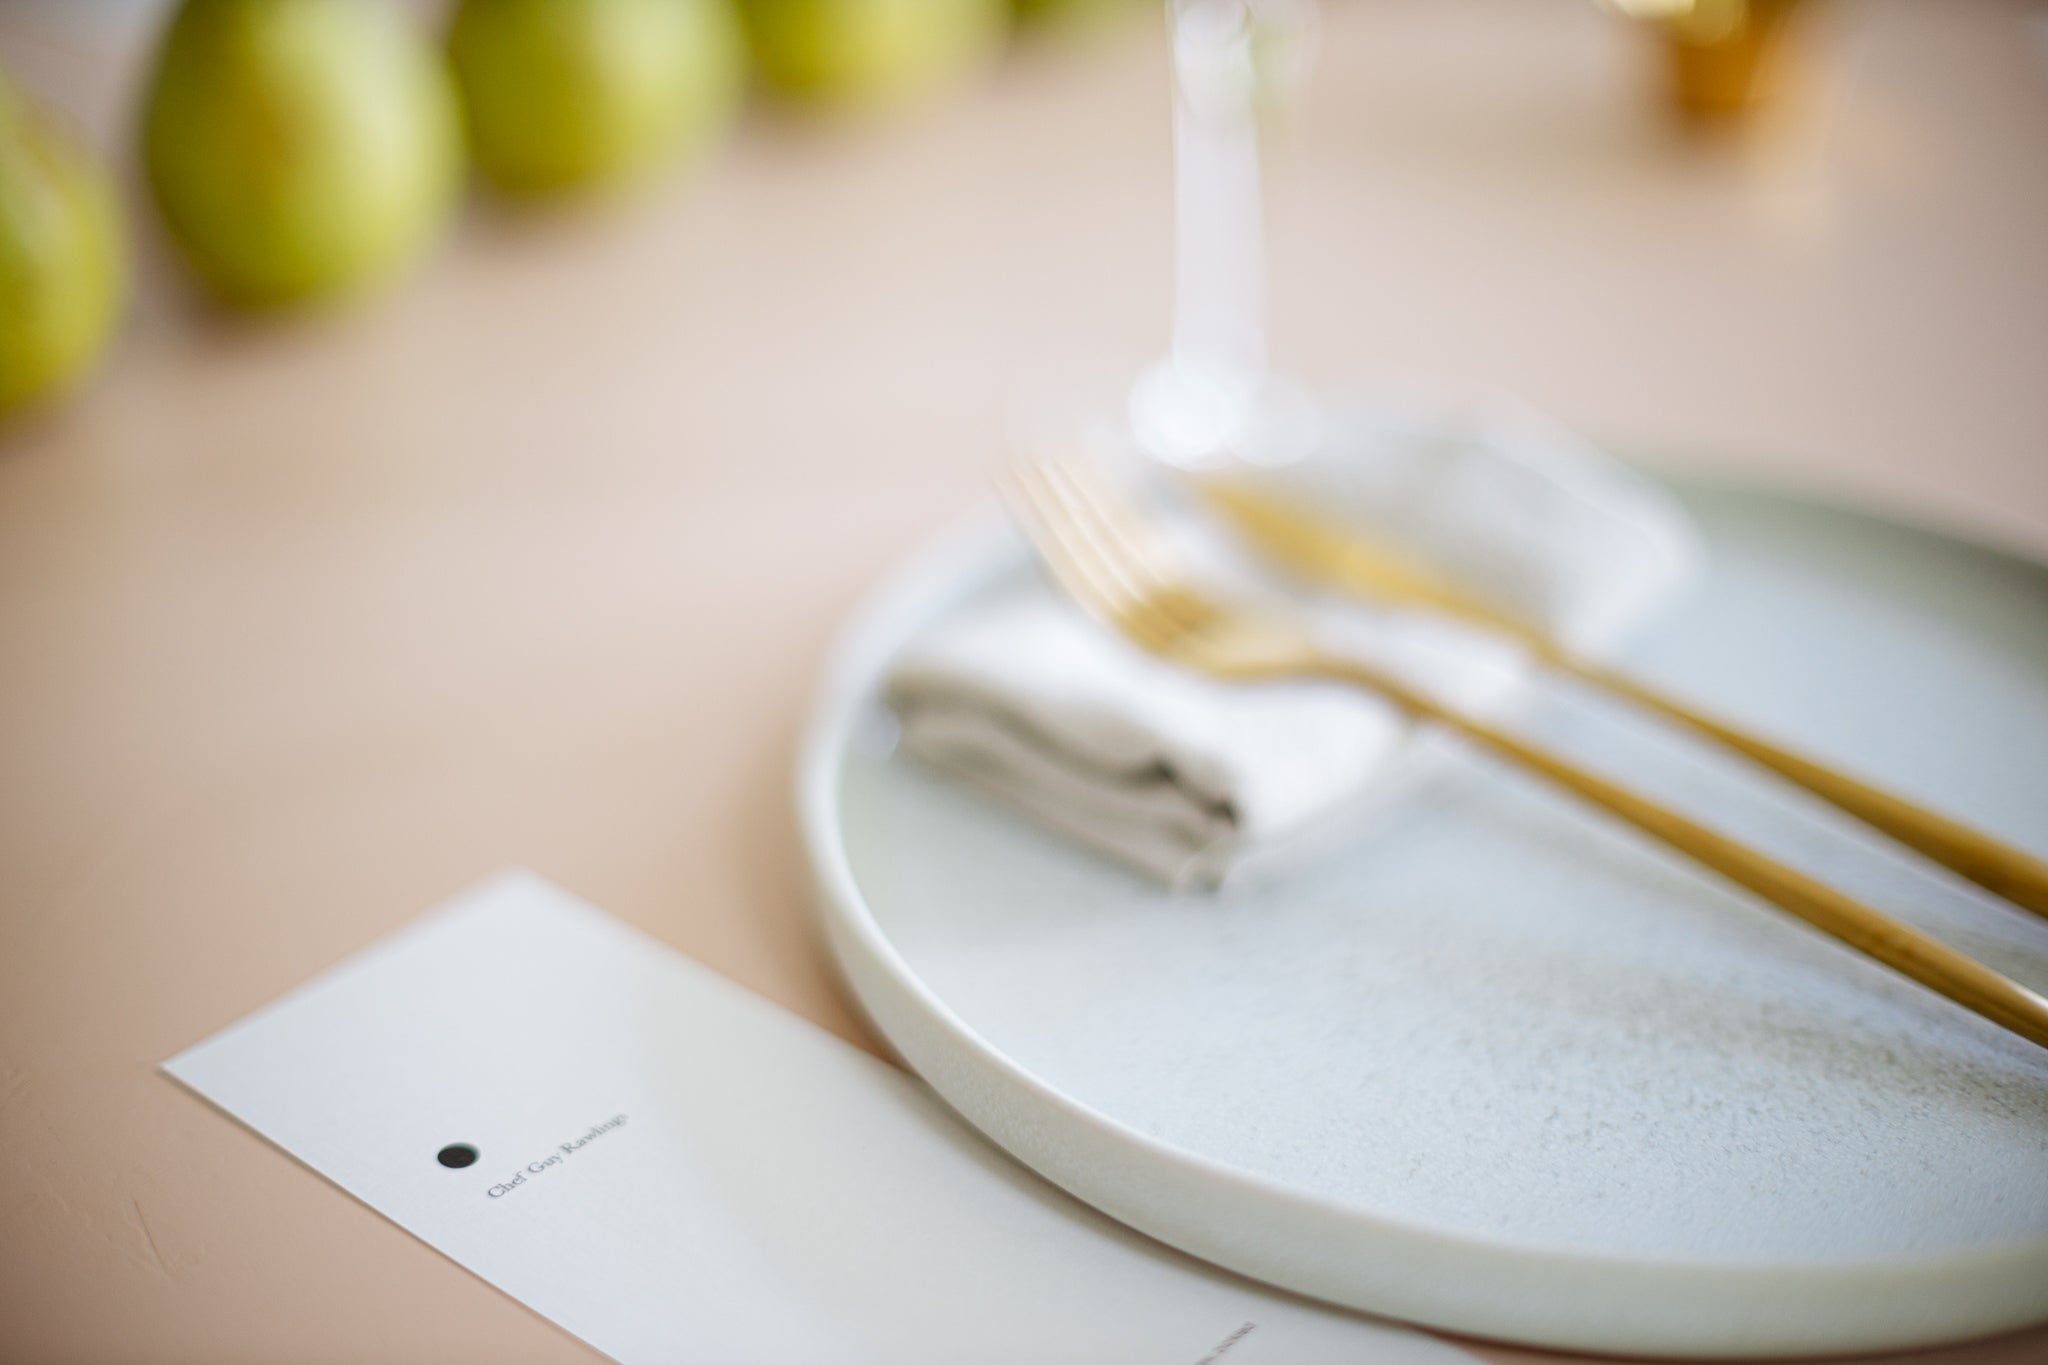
(869, 51)
(564, 95)
(63, 270)
(299, 149)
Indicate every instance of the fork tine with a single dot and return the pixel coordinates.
(1082, 535)
(1147, 556)
(1138, 539)
(1119, 523)
(1044, 525)
(1096, 536)
(1072, 558)
(1119, 536)
(1093, 572)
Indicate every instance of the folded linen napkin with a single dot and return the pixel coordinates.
(1186, 778)
(1195, 781)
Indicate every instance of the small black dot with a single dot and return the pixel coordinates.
(456, 1155)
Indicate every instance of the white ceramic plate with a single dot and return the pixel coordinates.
(1502, 1067)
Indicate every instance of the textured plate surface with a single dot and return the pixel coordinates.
(1501, 1066)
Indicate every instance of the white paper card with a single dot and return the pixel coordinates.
(675, 1170)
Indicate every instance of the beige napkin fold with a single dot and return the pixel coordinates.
(1185, 778)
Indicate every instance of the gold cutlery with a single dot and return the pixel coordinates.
(1121, 568)
(1318, 552)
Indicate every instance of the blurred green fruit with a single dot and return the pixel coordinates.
(869, 51)
(299, 149)
(1068, 11)
(566, 94)
(62, 267)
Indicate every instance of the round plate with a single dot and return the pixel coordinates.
(1502, 1066)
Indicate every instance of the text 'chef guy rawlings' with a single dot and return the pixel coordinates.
(553, 1159)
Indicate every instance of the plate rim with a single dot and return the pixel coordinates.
(1332, 1250)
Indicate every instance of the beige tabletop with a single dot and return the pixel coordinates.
(304, 627)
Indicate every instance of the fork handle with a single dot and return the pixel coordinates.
(1318, 551)
(1899, 946)
(1998, 867)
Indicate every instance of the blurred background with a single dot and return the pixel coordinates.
(1847, 287)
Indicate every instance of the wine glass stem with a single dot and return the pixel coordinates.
(1219, 265)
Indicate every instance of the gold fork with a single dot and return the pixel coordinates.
(1301, 543)
(1123, 571)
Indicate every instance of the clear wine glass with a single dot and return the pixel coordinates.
(1232, 61)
